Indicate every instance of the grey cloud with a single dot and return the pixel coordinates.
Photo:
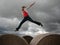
(45, 11)
(6, 23)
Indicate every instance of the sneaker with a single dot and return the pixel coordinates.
(16, 29)
(41, 25)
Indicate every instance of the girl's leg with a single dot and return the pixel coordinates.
(21, 24)
(38, 23)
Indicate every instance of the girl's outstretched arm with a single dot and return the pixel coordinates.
(31, 5)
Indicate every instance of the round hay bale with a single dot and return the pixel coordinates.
(10, 39)
(28, 38)
(46, 39)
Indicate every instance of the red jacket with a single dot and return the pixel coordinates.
(25, 13)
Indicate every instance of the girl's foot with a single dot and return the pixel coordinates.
(16, 29)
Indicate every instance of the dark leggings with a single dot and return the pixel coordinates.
(29, 19)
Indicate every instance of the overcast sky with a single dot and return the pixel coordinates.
(45, 11)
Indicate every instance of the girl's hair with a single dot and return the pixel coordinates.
(23, 7)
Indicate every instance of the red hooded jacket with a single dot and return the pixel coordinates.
(25, 13)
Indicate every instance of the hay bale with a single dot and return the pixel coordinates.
(10, 39)
(46, 39)
(28, 38)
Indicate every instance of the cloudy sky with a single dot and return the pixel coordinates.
(45, 11)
